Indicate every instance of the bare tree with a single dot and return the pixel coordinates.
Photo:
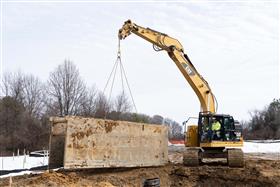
(52, 106)
(5, 88)
(66, 88)
(157, 119)
(13, 85)
(33, 95)
(88, 107)
(122, 103)
(121, 107)
(103, 106)
(174, 128)
(25, 89)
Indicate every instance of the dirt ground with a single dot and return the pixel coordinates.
(259, 170)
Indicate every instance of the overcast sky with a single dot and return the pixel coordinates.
(234, 46)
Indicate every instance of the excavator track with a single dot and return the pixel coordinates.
(235, 158)
(191, 157)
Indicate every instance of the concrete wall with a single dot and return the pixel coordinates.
(96, 143)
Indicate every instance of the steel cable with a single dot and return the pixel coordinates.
(123, 76)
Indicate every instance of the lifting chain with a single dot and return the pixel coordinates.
(113, 73)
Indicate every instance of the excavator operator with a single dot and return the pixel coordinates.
(216, 129)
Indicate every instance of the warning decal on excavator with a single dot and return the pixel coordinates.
(188, 69)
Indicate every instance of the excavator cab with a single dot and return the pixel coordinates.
(218, 127)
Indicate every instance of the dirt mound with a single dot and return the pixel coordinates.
(65, 179)
(51, 179)
(211, 176)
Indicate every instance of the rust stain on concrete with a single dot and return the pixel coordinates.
(109, 125)
(78, 135)
(89, 132)
(79, 146)
(157, 130)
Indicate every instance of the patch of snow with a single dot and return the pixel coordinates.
(267, 146)
(254, 147)
(27, 172)
(22, 162)
(21, 173)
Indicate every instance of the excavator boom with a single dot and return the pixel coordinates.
(175, 51)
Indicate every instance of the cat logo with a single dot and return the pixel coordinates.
(188, 69)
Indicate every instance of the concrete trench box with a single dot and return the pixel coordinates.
(77, 142)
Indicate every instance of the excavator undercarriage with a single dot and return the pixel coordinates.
(194, 156)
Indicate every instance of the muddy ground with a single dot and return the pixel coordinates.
(259, 170)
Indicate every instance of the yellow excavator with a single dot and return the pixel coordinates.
(216, 135)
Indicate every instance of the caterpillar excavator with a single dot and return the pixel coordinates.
(215, 135)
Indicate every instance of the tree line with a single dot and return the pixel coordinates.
(265, 123)
(27, 103)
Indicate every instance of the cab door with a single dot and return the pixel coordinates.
(204, 128)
